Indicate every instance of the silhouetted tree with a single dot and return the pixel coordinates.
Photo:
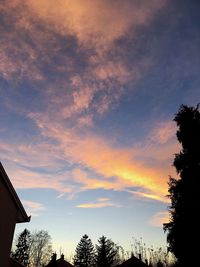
(139, 249)
(183, 227)
(84, 254)
(151, 255)
(21, 253)
(107, 253)
(40, 248)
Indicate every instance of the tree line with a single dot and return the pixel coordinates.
(35, 250)
(182, 229)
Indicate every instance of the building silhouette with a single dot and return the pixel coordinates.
(133, 262)
(11, 212)
(58, 263)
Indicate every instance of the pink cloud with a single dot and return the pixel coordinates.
(163, 132)
(103, 199)
(70, 110)
(33, 208)
(112, 70)
(126, 165)
(159, 218)
(24, 179)
(113, 168)
(100, 203)
(95, 205)
(90, 26)
(102, 74)
(18, 68)
(40, 155)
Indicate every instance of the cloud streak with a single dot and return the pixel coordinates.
(69, 54)
(33, 208)
(95, 205)
(95, 163)
(100, 203)
(159, 218)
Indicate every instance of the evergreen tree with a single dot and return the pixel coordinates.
(183, 227)
(107, 253)
(84, 254)
(21, 253)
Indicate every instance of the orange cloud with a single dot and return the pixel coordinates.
(88, 183)
(113, 168)
(159, 218)
(103, 199)
(94, 205)
(119, 168)
(97, 22)
(101, 204)
(120, 163)
(151, 196)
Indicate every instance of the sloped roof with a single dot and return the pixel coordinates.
(21, 216)
(133, 262)
(63, 263)
(58, 263)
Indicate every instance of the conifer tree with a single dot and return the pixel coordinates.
(183, 227)
(84, 254)
(107, 253)
(21, 253)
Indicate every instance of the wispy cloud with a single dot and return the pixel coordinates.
(90, 26)
(159, 218)
(100, 203)
(150, 196)
(33, 208)
(163, 132)
(94, 152)
(95, 163)
(41, 56)
(69, 53)
(103, 199)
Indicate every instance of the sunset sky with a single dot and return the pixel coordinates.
(88, 93)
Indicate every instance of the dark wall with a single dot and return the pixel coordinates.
(8, 214)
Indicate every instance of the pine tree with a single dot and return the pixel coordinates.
(84, 255)
(21, 253)
(107, 253)
(183, 228)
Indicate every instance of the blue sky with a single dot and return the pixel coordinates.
(88, 93)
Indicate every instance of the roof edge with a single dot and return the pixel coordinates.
(24, 217)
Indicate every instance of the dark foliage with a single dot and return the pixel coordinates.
(107, 253)
(84, 254)
(183, 228)
(21, 253)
